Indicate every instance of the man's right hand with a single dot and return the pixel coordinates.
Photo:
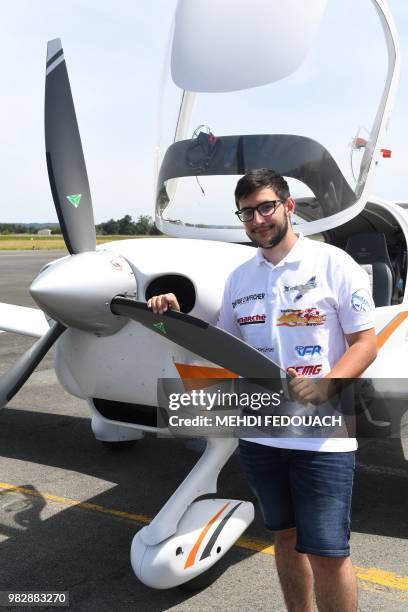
(160, 303)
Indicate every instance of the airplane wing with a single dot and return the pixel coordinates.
(23, 320)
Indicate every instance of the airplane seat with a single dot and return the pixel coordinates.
(399, 264)
(371, 252)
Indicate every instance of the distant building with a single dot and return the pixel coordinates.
(44, 232)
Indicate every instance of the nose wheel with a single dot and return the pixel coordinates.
(113, 436)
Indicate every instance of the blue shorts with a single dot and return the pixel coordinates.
(308, 490)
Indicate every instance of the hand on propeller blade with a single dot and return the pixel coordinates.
(161, 303)
(311, 390)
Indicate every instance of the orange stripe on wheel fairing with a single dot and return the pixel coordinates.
(390, 328)
(193, 553)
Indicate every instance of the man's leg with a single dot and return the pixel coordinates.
(322, 487)
(267, 471)
(295, 572)
(335, 583)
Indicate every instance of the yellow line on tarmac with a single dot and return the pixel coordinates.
(255, 544)
(370, 574)
(383, 578)
(138, 518)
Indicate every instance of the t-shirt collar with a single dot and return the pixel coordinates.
(295, 254)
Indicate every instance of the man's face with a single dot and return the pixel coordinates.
(266, 232)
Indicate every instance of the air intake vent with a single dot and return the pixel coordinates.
(180, 285)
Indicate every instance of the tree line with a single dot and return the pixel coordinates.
(143, 226)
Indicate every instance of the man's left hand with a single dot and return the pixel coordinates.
(309, 390)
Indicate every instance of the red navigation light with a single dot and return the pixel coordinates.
(386, 152)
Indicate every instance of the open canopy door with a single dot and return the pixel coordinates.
(278, 84)
(213, 37)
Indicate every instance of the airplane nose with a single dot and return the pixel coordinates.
(77, 291)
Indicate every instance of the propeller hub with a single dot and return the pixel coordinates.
(77, 290)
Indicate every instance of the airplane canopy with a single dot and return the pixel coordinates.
(299, 87)
(266, 49)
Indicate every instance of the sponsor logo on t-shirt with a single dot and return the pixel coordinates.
(248, 298)
(309, 350)
(301, 289)
(361, 301)
(265, 349)
(300, 318)
(307, 370)
(252, 319)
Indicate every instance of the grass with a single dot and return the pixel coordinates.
(33, 242)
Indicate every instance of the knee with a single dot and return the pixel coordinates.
(330, 563)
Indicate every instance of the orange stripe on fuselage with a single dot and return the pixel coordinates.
(196, 371)
(191, 557)
(201, 377)
(390, 328)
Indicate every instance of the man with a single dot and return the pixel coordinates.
(307, 312)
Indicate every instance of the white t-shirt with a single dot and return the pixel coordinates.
(297, 313)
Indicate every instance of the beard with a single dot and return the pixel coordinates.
(282, 230)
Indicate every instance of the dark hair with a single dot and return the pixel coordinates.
(262, 177)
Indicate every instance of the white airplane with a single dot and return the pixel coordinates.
(110, 350)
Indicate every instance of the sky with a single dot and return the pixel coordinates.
(115, 52)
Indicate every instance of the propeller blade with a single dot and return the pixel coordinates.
(16, 376)
(202, 338)
(65, 159)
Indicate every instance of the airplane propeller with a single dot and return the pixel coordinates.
(70, 190)
(65, 158)
(16, 376)
(201, 338)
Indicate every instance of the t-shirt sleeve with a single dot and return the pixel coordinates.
(226, 319)
(356, 305)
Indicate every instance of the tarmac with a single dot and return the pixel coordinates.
(69, 506)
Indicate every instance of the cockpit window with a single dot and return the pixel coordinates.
(296, 157)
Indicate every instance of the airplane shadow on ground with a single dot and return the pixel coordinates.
(80, 550)
(87, 552)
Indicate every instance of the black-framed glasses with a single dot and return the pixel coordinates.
(265, 209)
